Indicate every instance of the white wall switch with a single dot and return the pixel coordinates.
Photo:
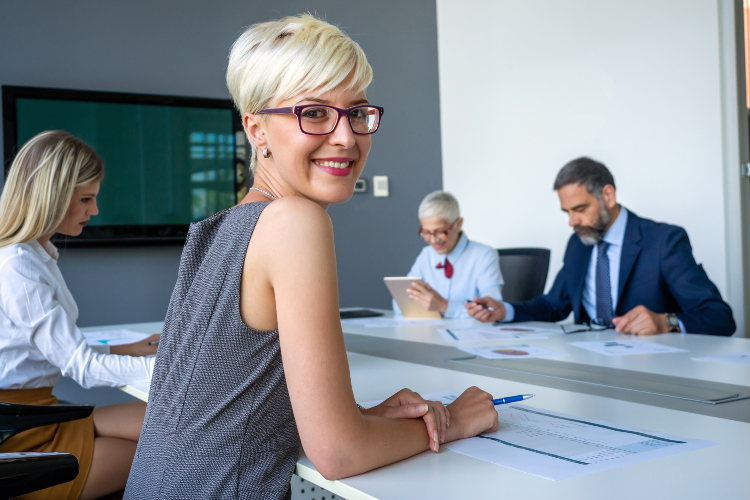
(380, 185)
(361, 185)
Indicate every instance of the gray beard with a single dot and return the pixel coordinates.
(594, 234)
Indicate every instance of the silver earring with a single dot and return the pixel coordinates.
(266, 154)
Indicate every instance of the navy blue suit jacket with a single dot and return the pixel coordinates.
(657, 270)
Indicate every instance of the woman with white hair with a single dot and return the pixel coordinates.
(51, 188)
(453, 268)
(252, 356)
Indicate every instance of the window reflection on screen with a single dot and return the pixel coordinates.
(163, 164)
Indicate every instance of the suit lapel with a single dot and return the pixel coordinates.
(631, 247)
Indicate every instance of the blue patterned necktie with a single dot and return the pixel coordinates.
(603, 285)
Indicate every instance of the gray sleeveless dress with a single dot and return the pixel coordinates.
(219, 422)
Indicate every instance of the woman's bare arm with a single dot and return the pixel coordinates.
(290, 276)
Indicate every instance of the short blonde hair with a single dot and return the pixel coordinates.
(40, 185)
(439, 204)
(276, 60)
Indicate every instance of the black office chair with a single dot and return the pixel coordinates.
(22, 473)
(524, 272)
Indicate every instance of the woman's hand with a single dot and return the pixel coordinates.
(427, 297)
(409, 404)
(141, 348)
(472, 413)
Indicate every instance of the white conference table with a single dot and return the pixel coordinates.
(678, 364)
(719, 471)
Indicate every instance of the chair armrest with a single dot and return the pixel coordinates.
(15, 418)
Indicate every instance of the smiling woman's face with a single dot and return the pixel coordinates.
(82, 208)
(322, 168)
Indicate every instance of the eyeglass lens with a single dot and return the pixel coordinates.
(598, 324)
(430, 234)
(322, 119)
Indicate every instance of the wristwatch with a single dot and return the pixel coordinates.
(673, 323)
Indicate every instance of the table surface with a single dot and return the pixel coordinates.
(678, 364)
(718, 471)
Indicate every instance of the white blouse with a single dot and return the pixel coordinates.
(39, 338)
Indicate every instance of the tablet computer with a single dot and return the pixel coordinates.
(410, 309)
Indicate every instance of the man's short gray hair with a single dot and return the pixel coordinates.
(439, 204)
(590, 174)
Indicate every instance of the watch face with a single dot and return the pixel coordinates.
(672, 320)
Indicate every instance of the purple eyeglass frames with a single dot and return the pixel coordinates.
(322, 119)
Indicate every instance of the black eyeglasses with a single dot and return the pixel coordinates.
(441, 234)
(321, 119)
(595, 325)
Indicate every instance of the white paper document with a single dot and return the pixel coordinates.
(626, 347)
(389, 322)
(114, 337)
(490, 332)
(737, 358)
(558, 446)
(511, 351)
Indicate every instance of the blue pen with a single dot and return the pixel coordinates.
(512, 399)
(509, 399)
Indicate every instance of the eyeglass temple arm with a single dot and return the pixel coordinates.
(277, 111)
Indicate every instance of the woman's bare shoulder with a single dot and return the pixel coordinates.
(290, 224)
(291, 215)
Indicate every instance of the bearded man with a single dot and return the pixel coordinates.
(619, 271)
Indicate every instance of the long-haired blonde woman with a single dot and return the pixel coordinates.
(252, 355)
(51, 188)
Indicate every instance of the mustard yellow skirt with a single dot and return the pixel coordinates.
(76, 438)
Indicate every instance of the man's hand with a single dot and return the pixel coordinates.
(641, 321)
(409, 404)
(472, 413)
(486, 310)
(427, 297)
(138, 348)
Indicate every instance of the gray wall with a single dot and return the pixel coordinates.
(180, 48)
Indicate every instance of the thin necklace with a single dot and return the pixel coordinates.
(264, 192)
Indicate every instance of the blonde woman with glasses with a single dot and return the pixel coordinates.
(252, 358)
(51, 188)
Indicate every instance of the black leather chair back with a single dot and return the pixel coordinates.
(524, 272)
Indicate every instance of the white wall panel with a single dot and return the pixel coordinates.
(526, 86)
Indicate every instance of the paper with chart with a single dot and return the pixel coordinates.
(114, 337)
(737, 358)
(626, 347)
(558, 446)
(495, 332)
(511, 351)
(390, 322)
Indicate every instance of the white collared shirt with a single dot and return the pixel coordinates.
(615, 235)
(476, 273)
(39, 338)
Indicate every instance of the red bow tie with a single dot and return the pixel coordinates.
(448, 268)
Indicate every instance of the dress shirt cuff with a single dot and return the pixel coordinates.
(456, 309)
(682, 326)
(101, 349)
(510, 312)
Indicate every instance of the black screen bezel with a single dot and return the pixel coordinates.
(113, 235)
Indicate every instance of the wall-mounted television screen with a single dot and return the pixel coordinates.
(168, 161)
